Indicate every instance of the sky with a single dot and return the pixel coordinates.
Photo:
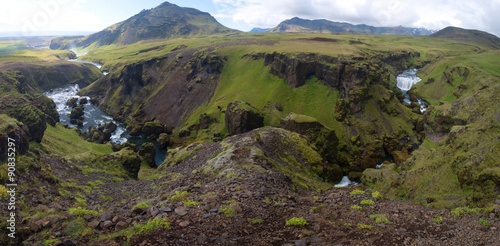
(71, 17)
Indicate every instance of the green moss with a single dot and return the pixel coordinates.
(296, 221)
(153, 224)
(357, 192)
(255, 220)
(367, 202)
(379, 218)
(81, 211)
(141, 205)
(438, 219)
(365, 226)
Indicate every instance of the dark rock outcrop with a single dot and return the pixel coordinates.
(101, 134)
(11, 128)
(324, 139)
(72, 102)
(77, 112)
(241, 117)
(130, 161)
(164, 140)
(148, 153)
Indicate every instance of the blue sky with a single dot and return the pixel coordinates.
(63, 17)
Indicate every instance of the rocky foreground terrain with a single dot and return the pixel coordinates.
(232, 193)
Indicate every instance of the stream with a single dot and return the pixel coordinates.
(406, 80)
(95, 116)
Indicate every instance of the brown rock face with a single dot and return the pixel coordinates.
(323, 138)
(148, 152)
(242, 117)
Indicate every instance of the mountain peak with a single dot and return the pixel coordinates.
(162, 22)
(297, 24)
(469, 35)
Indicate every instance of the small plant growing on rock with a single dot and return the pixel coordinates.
(367, 202)
(141, 205)
(81, 211)
(364, 226)
(438, 219)
(180, 196)
(379, 218)
(357, 207)
(228, 211)
(377, 195)
(153, 224)
(118, 180)
(484, 222)
(190, 203)
(296, 221)
(348, 224)
(357, 192)
(268, 201)
(255, 221)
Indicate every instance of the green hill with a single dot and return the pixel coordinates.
(325, 26)
(163, 22)
(469, 36)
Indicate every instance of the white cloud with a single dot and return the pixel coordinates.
(38, 17)
(482, 14)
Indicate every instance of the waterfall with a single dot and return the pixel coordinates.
(407, 79)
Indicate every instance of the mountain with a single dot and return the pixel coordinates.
(163, 22)
(470, 36)
(325, 26)
(259, 30)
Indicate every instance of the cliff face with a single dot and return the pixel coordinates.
(166, 89)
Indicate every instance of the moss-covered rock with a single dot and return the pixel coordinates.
(325, 140)
(130, 161)
(148, 153)
(164, 140)
(72, 102)
(241, 117)
(11, 128)
(77, 112)
(153, 128)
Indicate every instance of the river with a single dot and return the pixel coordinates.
(95, 116)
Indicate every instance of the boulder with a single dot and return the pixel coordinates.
(84, 100)
(72, 102)
(148, 153)
(241, 117)
(130, 161)
(205, 121)
(77, 112)
(153, 128)
(94, 101)
(136, 131)
(164, 140)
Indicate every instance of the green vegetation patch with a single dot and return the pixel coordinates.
(300, 221)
